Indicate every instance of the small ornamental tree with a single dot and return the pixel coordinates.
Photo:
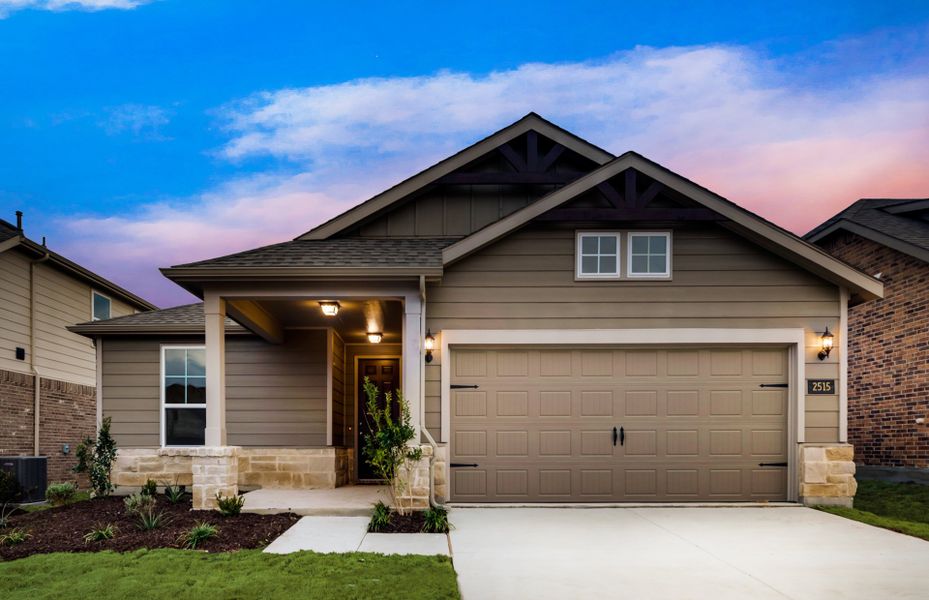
(95, 457)
(387, 446)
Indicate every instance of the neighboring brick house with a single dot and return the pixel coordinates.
(41, 294)
(888, 349)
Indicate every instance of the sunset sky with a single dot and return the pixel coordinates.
(138, 134)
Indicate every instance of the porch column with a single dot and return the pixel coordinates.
(413, 358)
(214, 309)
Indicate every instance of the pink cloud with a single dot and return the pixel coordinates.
(723, 116)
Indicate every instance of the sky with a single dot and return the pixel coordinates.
(140, 134)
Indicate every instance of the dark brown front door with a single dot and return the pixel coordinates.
(385, 373)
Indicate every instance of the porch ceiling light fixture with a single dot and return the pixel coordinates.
(330, 309)
(375, 337)
(827, 340)
(429, 345)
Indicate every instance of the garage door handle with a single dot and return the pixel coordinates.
(781, 464)
(622, 436)
(456, 465)
(615, 436)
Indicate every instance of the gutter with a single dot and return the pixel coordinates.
(422, 403)
(32, 325)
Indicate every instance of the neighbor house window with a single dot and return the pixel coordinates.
(597, 255)
(649, 255)
(183, 392)
(101, 306)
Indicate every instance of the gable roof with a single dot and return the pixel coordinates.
(744, 222)
(531, 121)
(895, 223)
(185, 319)
(12, 237)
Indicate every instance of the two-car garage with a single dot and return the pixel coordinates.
(618, 424)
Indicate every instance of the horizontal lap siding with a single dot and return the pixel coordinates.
(14, 310)
(275, 394)
(527, 281)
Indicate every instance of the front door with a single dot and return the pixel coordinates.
(385, 374)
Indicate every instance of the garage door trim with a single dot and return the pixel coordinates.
(793, 338)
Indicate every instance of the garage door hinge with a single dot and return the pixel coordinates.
(462, 386)
(455, 465)
(779, 385)
(780, 464)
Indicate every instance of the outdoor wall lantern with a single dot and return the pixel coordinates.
(827, 340)
(430, 345)
(375, 337)
(330, 309)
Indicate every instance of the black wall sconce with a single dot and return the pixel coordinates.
(430, 345)
(827, 340)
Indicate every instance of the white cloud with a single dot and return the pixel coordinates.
(722, 116)
(140, 120)
(9, 6)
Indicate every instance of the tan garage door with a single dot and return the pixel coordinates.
(690, 424)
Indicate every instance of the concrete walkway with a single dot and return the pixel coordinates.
(350, 534)
(349, 500)
(680, 553)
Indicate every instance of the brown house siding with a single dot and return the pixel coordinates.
(67, 414)
(888, 356)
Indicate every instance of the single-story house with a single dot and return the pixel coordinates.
(567, 326)
(888, 351)
(48, 400)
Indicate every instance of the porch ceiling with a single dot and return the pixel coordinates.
(355, 319)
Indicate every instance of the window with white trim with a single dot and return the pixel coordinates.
(101, 307)
(183, 393)
(649, 254)
(597, 255)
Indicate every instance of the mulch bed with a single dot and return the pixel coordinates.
(412, 523)
(63, 529)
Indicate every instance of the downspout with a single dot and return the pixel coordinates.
(37, 378)
(422, 404)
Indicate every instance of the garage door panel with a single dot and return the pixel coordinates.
(696, 425)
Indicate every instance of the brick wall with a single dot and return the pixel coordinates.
(888, 357)
(67, 414)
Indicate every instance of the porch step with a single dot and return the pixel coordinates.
(346, 501)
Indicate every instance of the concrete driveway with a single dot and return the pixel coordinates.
(677, 553)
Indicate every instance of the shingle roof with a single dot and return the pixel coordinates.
(361, 253)
(179, 319)
(7, 231)
(884, 217)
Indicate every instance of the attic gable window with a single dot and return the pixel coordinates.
(649, 255)
(101, 307)
(598, 255)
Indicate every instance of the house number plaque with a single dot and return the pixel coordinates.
(820, 386)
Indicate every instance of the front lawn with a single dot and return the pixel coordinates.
(901, 507)
(244, 575)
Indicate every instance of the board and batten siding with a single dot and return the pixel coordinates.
(719, 280)
(275, 394)
(61, 300)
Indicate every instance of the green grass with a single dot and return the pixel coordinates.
(244, 575)
(901, 507)
(78, 497)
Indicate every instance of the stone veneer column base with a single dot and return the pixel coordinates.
(416, 482)
(214, 470)
(827, 475)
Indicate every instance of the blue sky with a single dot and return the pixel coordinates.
(143, 134)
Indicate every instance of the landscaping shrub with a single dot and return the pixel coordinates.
(381, 517)
(198, 534)
(139, 503)
(175, 493)
(387, 447)
(435, 520)
(100, 533)
(59, 494)
(150, 488)
(229, 506)
(149, 519)
(6, 511)
(95, 457)
(14, 536)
